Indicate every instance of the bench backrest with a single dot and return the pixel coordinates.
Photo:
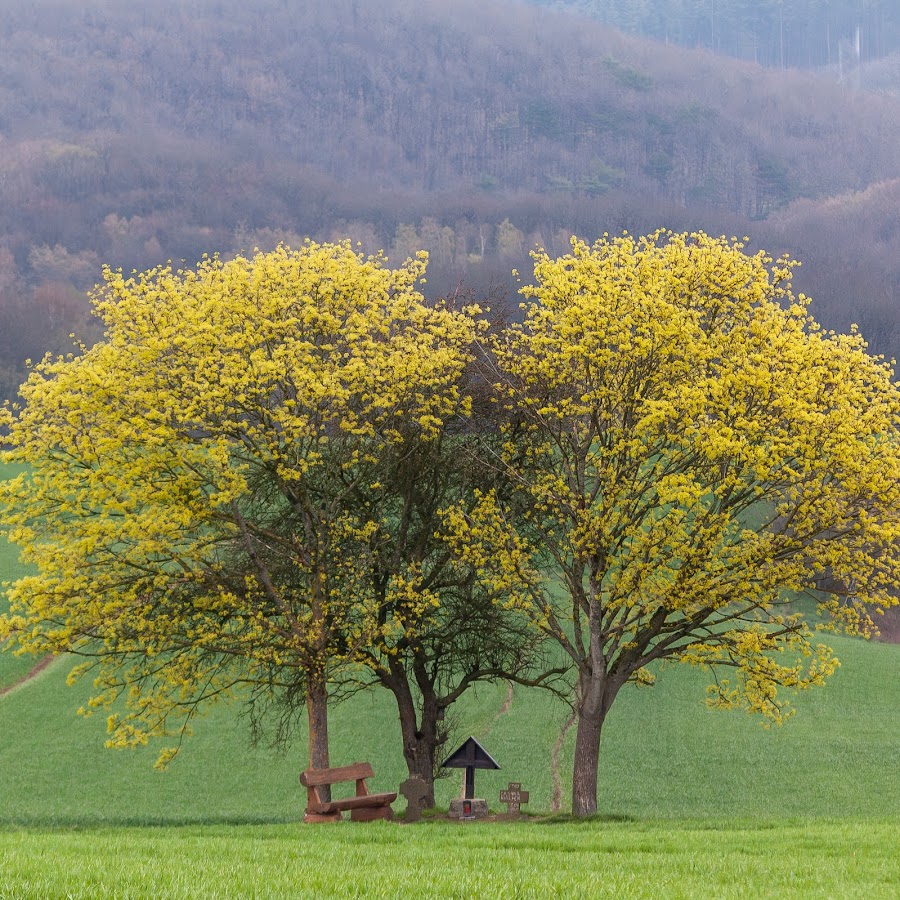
(315, 777)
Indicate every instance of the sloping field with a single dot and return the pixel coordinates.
(664, 754)
(693, 803)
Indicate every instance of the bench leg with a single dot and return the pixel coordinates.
(322, 817)
(370, 815)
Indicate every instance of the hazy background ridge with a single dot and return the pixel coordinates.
(133, 134)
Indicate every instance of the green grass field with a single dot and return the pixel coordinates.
(439, 859)
(664, 755)
(694, 803)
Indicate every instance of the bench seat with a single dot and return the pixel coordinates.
(364, 807)
(356, 802)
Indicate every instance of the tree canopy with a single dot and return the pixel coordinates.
(185, 501)
(268, 478)
(693, 454)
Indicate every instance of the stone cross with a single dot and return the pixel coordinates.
(415, 790)
(513, 796)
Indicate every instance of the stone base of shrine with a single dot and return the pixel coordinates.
(468, 809)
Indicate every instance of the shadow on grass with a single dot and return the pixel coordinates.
(437, 814)
(78, 823)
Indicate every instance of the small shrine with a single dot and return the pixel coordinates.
(469, 756)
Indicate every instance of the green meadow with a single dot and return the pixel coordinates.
(438, 859)
(693, 802)
(665, 756)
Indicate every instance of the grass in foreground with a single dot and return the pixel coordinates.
(440, 859)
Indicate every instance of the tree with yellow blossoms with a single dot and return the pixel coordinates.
(187, 495)
(691, 453)
(447, 631)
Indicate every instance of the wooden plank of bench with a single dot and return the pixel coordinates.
(320, 817)
(371, 815)
(366, 800)
(317, 777)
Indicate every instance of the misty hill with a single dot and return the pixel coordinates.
(421, 96)
(836, 34)
(132, 133)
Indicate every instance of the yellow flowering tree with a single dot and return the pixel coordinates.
(440, 630)
(188, 495)
(692, 453)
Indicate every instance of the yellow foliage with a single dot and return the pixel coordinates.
(187, 478)
(689, 451)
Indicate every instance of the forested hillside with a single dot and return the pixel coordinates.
(133, 133)
(800, 33)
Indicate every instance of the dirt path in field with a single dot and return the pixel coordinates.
(482, 733)
(507, 703)
(556, 799)
(28, 676)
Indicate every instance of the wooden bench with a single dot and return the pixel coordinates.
(364, 807)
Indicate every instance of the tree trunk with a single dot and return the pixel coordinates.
(317, 714)
(419, 741)
(418, 751)
(592, 710)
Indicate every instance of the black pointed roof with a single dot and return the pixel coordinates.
(470, 753)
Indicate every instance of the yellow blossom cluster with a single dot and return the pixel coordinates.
(690, 452)
(186, 499)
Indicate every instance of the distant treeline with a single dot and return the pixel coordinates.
(776, 33)
(131, 134)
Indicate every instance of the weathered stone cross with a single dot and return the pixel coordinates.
(513, 796)
(415, 790)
